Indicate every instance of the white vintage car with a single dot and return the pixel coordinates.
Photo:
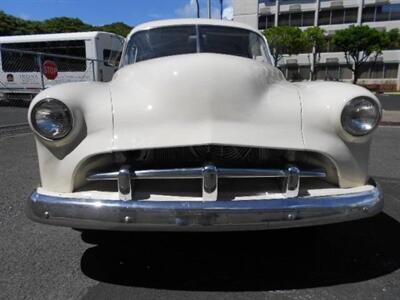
(199, 131)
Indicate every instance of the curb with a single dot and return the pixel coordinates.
(20, 125)
(390, 118)
(384, 124)
(15, 129)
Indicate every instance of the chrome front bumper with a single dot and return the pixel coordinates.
(203, 215)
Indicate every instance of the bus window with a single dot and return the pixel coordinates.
(22, 62)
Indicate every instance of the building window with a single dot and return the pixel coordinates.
(338, 16)
(333, 72)
(29, 63)
(270, 21)
(283, 69)
(350, 15)
(324, 17)
(284, 20)
(345, 72)
(294, 72)
(364, 71)
(295, 19)
(262, 22)
(391, 70)
(379, 70)
(298, 19)
(395, 12)
(368, 14)
(308, 18)
(321, 72)
(381, 13)
(304, 72)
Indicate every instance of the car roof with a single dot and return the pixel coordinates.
(200, 21)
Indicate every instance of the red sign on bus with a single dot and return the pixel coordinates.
(50, 70)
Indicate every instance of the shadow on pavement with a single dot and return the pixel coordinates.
(246, 261)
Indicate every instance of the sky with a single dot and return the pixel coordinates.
(100, 12)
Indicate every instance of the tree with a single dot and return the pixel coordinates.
(285, 40)
(359, 43)
(117, 28)
(64, 24)
(10, 25)
(316, 41)
(394, 38)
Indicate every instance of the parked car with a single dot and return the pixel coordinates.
(199, 131)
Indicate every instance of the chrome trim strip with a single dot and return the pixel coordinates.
(197, 173)
(203, 215)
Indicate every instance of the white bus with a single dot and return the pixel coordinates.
(23, 61)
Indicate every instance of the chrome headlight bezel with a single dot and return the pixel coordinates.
(47, 135)
(351, 108)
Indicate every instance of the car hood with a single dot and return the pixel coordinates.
(202, 99)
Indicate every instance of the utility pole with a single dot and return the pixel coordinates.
(198, 9)
(221, 2)
(209, 9)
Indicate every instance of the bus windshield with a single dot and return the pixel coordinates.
(188, 39)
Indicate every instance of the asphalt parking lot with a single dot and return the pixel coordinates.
(10, 115)
(390, 102)
(357, 260)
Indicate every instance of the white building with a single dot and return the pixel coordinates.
(330, 15)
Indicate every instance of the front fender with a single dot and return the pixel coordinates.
(322, 106)
(90, 105)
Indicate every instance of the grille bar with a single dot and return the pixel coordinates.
(210, 175)
(197, 173)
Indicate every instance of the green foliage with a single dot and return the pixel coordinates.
(394, 38)
(359, 43)
(117, 28)
(63, 24)
(285, 40)
(315, 41)
(10, 25)
(315, 37)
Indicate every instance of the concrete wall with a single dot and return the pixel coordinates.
(246, 11)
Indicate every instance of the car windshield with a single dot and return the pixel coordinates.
(175, 40)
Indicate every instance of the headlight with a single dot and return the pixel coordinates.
(360, 116)
(51, 119)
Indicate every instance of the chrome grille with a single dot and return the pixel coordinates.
(209, 174)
